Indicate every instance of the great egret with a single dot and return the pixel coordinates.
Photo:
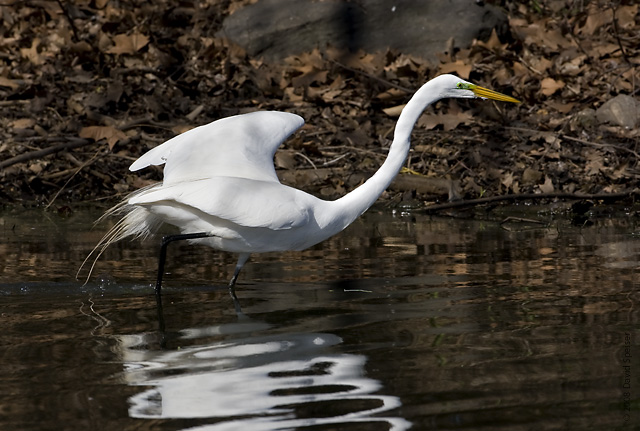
(220, 186)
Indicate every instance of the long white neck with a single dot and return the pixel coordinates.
(353, 204)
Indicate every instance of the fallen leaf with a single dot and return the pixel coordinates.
(620, 172)
(448, 121)
(37, 167)
(548, 86)
(23, 123)
(310, 76)
(329, 96)
(128, 43)
(531, 176)
(594, 163)
(547, 187)
(595, 20)
(554, 39)
(626, 16)
(507, 180)
(285, 159)
(541, 64)
(458, 67)
(32, 53)
(10, 83)
(404, 65)
(560, 106)
(307, 61)
(394, 111)
(291, 95)
(493, 43)
(181, 128)
(604, 49)
(97, 133)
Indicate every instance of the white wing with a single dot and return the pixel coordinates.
(241, 146)
(245, 202)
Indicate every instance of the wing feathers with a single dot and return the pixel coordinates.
(268, 205)
(240, 146)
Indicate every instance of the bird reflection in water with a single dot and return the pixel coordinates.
(281, 381)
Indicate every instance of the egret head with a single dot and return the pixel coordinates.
(452, 86)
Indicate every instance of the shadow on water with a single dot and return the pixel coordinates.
(421, 322)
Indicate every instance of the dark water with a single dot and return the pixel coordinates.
(400, 322)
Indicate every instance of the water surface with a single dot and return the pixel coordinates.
(401, 321)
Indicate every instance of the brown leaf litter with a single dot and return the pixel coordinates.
(87, 89)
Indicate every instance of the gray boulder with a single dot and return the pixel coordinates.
(622, 111)
(274, 29)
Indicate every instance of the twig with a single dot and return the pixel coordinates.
(505, 224)
(580, 141)
(85, 164)
(617, 35)
(14, 102)
(531, 196)
(521, 220)
(25, 157)
(375, 78)
(352, 148)
(595, 144)
(332, 161)
(307, 159)
(70, 21)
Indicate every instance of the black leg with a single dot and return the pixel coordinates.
(242, 259)
(232, 291)
(163, 255)
(160, 313)
(163, 252)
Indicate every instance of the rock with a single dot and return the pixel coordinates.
(275, 29)
(622, 111)
(584, 119)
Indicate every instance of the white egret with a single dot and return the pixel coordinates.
(220, 186)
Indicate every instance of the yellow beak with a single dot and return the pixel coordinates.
(490, 94)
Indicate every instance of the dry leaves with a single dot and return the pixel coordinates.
(129, 75)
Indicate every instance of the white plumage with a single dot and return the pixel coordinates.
(219, 180)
